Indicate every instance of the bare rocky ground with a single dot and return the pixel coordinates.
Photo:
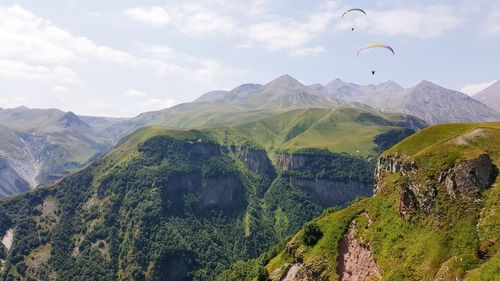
(356, 261)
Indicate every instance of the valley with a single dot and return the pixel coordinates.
(236, 194)
(219, 188)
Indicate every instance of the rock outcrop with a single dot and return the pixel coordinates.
(297, 272)
(463, 181)
(394, 163)
(467, 179)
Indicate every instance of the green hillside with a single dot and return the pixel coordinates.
(338, 130)
(435, 216)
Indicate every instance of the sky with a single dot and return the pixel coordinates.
(123, 57)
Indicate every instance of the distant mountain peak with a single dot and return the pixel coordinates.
(336, 81)
(248, 87)
(284, 81)
(22, 107)
(390, 83)
(426, 83)
(70, 116)
(70, 119)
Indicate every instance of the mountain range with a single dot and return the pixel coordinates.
(42, 145)
(249, 102)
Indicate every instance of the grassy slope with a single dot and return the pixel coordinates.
(338, 130)
(420, 249)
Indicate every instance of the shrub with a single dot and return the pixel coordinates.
(312, 234)
(262, 274)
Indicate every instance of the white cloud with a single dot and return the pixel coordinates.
(18, 69)
(154, 16)
(473, 89)
(190, 18)
(426, 22)
(252, 23)
(26, 37)
(492, 23)
(13, 102)
(59, 89)
(197, 20)
(134, 94)
(101, 108)
(163, 52)
(307, 52)
(290, 34)
(157, 104)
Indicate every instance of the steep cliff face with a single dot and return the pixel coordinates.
(329, 179)
(327, 193)
(220, 192)
(256, 160)
(287, 162)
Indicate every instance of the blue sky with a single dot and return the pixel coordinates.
(120, 58)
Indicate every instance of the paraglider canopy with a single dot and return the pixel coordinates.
(353, 10)
(375, 45)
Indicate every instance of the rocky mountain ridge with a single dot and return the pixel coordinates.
(40, 146)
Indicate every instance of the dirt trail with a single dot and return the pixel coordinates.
(466, 138)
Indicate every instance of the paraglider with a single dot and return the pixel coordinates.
(375, 45)
(351, 11)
